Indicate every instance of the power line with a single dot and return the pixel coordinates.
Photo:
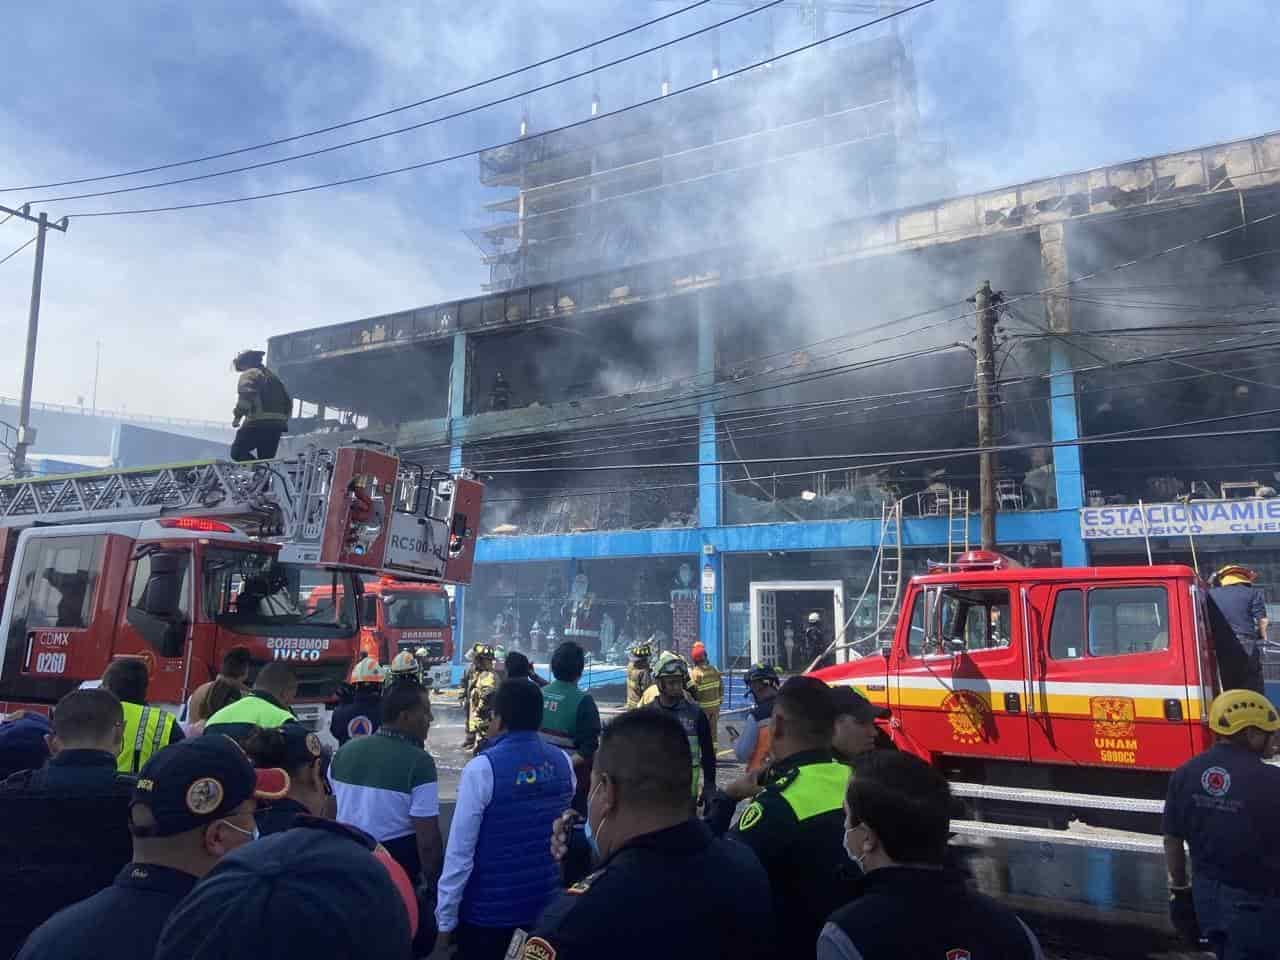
(365, 119)
(9, 256)
(417, 126)
(509, 143)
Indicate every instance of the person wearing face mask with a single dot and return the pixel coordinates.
(193, 804)
(794, 823)
(295, 752)
(896, 824)
(653, 859)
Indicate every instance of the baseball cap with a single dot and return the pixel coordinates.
(198, 781)
(849, 701)
(319, 889)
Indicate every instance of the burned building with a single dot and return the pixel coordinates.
(718, 442)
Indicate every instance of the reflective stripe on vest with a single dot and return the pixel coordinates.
(707, 683)
(688, 715)
(146, 731)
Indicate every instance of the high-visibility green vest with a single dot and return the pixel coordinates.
(560, 702)
(238, 718)
(146, 731)
(688, 715)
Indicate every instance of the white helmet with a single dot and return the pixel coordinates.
(815, 617)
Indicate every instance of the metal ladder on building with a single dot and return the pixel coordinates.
(889, 575)
(957, 523)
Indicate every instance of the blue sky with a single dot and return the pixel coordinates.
(1018, 89)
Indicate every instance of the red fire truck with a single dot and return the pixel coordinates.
(397, 615)
(1095, 680)
(177, 564)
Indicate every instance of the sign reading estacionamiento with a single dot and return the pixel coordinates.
(1199, 517)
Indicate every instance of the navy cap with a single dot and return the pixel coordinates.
(313, 891)
(197, 781)
(849, 701)
(22, 743)
(301, 746)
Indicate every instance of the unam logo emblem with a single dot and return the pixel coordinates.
(360, 726)
(1216, 781)
(960, 954)
(968, 715)
(1113, 716)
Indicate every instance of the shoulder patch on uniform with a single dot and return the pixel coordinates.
(750, 817)
(535, 948)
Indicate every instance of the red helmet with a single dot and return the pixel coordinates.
(699, 652)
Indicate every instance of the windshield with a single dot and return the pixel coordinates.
(248, 587)
(417, 609)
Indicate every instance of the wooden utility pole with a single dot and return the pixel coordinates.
(26, 436)
(985, 303)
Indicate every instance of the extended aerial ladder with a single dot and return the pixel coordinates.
(356, 507)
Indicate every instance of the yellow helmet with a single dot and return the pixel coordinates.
(670, 665)
(1236, 710)
(367, 670)
(1233, 573)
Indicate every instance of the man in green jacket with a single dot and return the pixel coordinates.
(570, 717)
(263, 404)
(268, 705)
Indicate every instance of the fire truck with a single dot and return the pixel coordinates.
(398, 615)
(177, 564)
(1088, 681)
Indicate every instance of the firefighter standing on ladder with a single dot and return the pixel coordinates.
(263, 404)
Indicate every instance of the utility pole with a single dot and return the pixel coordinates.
(26, 436)
(985, 303)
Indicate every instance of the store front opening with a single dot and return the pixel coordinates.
(780, 613)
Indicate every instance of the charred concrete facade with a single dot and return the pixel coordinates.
(720, 432)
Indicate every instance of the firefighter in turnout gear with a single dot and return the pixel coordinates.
(752, 748)
(639, 676)
(708, 689)
(815, 639)
(262, 409)
(1244, 608)
(484, 683)
(671, 677)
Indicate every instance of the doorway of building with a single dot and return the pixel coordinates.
(779, 613)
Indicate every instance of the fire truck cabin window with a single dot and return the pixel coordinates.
(959, 620)
(1120, 621)
(916, 631)
(61, 572)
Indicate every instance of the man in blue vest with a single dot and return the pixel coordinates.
(499, 874)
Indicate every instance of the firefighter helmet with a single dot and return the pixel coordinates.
(1236, 710)
(642, 651)
(670, 665)
(248, 358)
(481, 650)
(698, 652)
(815, 617)
(422, 653)
(367, 670)
(763, 673)
(404, 666)
(1233, 573)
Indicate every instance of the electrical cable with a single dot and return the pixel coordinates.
(9, 256)
(365, 119)
(509, 143)
(332, 148)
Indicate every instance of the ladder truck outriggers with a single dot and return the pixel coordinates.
(177, 564)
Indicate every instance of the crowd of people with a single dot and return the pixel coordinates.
(568, 839)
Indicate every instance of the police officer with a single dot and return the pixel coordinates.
(795, 824)
(639, 677)
(654, 861)
(361, 714)
(1243, 606)
(263, 404)
(752, 747)
(193, 803)
(146, 729)
(295, 755)
(708, 689)
(1222, 804)
(895, 827)
(671, 674)
(484, 683)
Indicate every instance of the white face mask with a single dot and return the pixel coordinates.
(593, 834)
(849, 853)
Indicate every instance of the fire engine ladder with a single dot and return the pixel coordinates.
(957, 523)
(282, 499)
(889, 574)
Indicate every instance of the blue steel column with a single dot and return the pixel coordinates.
(1063, 413)
(457, 397)
(711, 615)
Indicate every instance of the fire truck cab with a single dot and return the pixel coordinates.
(1092, 679)
(398, 615)
(177, 592)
